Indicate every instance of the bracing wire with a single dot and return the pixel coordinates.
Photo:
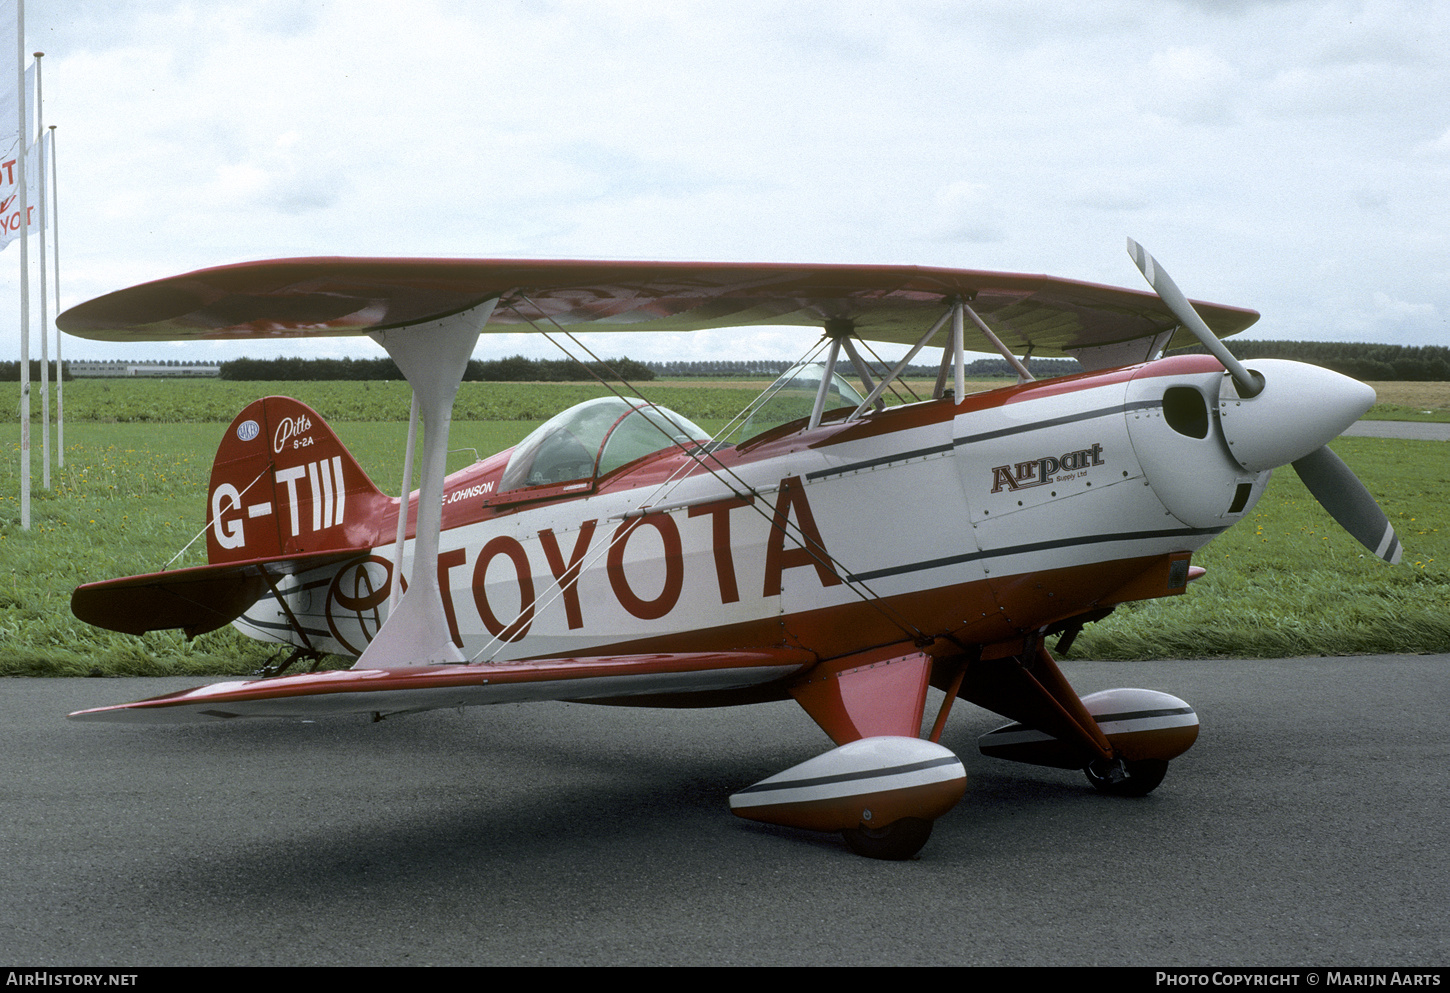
(720, 471)
(236, 505)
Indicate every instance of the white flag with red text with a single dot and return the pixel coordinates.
(10, 223)
(10, 134)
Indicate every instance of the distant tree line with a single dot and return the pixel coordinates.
(511, 370)
(1425, 363)
(10, 371)
(1040, 368)
(756, 368)
(720, 368)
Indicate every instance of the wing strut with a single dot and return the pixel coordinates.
(433, 357)
(886, 380)
(959, 353)
(953, 357)
(1023, 376)
(402, 537)
(862, 370)
(819, 407)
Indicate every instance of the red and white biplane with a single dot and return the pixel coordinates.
(845, 553)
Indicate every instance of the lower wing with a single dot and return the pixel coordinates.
(403, 690)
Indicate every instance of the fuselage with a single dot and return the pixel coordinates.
(948, 524)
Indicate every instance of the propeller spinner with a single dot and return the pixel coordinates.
(1287, 412)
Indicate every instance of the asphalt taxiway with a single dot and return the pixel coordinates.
(1307, 826)
(1405, 430)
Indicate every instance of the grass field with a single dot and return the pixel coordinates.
(155, 401)
(1411, 402)
(158, 401)
(1286, 581)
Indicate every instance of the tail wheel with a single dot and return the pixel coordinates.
(895, 842)
(1122, 778)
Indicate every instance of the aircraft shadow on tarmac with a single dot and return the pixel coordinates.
(418, 800)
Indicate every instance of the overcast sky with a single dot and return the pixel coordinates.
(1289, 156)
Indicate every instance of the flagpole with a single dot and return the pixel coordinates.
(23, 132)
(44, 327)
(59, 366)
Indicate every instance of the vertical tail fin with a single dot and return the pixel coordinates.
(283, 484)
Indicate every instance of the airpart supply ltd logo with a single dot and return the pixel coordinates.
(1051, 469)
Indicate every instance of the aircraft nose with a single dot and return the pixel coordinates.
(1300, 409)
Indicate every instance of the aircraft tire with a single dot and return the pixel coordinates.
(895, 842)
(1138, 778)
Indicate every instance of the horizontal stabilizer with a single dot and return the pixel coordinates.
(196, 600)
(432, 687)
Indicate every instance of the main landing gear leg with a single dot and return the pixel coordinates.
(1122, 739)
(275, 668)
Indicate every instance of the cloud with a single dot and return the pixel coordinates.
(966, 211)
(1248, 142)
(1390, 309)
(1191, 84)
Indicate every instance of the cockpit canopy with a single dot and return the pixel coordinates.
(594, 438)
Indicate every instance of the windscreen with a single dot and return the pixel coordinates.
(593, 438)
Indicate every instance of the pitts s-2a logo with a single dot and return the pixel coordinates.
(1022, 475)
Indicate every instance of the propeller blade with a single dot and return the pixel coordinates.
(1333, 484)
(1170, 294)
(1341, 493)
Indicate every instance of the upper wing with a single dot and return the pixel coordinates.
(333, 296)
(394, 691)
